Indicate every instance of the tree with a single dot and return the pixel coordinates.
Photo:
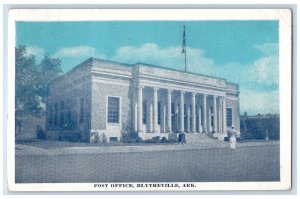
(32, 81)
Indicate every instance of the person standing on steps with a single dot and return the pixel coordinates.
(181, 138)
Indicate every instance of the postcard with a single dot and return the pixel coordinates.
(149, 99)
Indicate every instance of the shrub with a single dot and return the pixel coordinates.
(131, 138)
(103, 138)
(40, 133)
(72, 136)
(156, 139)
(164, 140)
(139, 140)
(148, 141)
(94, 137)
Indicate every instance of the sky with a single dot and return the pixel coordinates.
(242, 52)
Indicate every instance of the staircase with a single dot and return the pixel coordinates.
(199, 138)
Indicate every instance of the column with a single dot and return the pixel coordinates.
(188, 123)
(209, 129)
(140, 108)
(193, 112)
(150, 124)
(224, 114)
(135, 117)
(215, 114)
(199, 118)
(181, 128)
(220, 121)
(204, 114)
(177, 118)
(155, 109)
(169, 115)
(163, 118)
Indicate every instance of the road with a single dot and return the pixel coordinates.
(248, 163)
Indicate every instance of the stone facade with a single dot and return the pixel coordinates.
(107, 98)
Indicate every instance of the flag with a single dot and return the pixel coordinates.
(183, 41)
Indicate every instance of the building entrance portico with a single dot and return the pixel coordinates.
(162, 110)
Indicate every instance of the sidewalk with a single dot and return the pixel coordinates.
(22, 149)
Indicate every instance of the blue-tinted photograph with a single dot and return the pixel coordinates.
(147, 101)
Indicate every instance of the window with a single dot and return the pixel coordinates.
(229, 116)
(190, 116)
(113, 112)
(173, 108)
(185, 117)
(144, 112)
(173, 113)
(62, 112)
(55, 113)
(50, 118)
(212, 116)
(81, 110)
(158, 112)
(68, 116)
(201, 115)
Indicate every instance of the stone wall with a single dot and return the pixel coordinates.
(115, 80)
(100, 93)
(69, 89)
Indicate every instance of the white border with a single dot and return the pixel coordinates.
(284, 17)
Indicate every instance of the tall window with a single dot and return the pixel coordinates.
(212, 116)
(185, 117)
(81, 110)
(158, 112)
(50, 119)
(173, 109)
(68, 116)
(113, 113)
(173, 113)
(55, 113)
(62, 112)
(197, 118)
(229, 116)
(144, 112)
(201, 114)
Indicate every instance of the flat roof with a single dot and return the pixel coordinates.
(91, 59)
(172, 69)
(155, 66)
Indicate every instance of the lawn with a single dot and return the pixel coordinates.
(249, 163)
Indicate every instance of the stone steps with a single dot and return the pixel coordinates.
(198, 138)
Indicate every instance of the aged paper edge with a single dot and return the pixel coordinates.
(285, 66)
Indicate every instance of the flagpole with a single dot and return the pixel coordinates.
(184, 48)
(185, 59)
